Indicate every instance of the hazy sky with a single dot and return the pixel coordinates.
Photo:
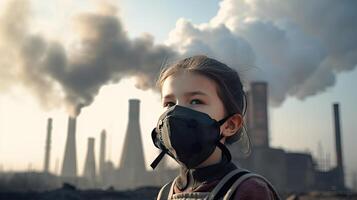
(55, 54)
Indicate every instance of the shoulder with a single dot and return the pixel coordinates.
(254, 189)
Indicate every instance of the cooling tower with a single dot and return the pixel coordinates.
(132, 164)
(48, 146)
(89, 165)
(69, 166)
(339, 157)
(258, 114)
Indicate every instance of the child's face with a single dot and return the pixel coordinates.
(194, 91)
(198, 92)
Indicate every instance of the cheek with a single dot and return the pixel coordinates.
(201, 109)
(214, 109)
(208, 110)
(217, 112)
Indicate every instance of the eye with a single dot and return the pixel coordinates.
(196, 101)
(169, 104)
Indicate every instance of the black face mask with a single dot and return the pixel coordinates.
(188, 136)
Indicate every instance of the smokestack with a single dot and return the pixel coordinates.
(69, 166)
(102, 153)
(354, 182)
(338, 140)
(257, 113)
(132, 162)
(248, 114)
(48, 146)
(89, 166)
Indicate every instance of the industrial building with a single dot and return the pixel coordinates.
(131, 172)
(288, 171)
(291, 172)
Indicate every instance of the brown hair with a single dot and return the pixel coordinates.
(230, 88)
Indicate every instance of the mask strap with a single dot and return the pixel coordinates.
(158, 159)
(224, 149)
(221, 122)
(157, 144)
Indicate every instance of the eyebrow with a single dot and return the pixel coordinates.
(187, 94)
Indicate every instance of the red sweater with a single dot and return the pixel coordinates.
(250, 189)
(205, 179)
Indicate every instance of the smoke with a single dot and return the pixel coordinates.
(218, 42)
(299, 46)
(10, 35)
(104, 54)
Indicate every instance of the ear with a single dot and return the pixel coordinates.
(232, 125)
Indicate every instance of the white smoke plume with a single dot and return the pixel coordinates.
(298, 47)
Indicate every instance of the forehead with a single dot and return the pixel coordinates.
(185, 82)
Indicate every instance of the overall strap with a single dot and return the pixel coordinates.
(167, 190)
(164, 191)
(223, 183)
(244, 177)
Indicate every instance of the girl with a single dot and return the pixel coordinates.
(205, 104)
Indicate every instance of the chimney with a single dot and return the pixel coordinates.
(89, 165)
(257, 114)
(69, 166)
(132, 162)
(48, 146)
(338, 140)
(354, 181)
(102, 153)
(248, 114)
